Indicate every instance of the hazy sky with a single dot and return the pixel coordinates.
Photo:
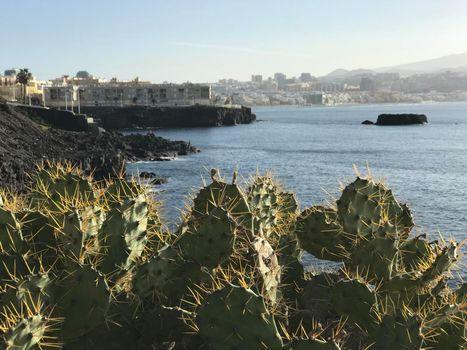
(204, 40)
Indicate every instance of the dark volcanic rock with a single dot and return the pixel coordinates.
(24, 143)
(401, 119)
(153, 177)
(367, 122)
(169, 117)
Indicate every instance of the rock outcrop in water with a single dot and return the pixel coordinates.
(23, 142)
(169, 117)
(401, 119)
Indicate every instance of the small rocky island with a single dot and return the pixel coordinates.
(398, 119)
(26, 140)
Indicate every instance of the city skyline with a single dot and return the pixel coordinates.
(182, 41)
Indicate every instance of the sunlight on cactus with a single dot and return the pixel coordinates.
(90, 265)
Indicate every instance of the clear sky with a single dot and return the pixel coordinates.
(204, 40)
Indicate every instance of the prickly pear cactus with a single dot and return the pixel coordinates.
(446, 328)
(123, 234)
(11, 238)
(397, 331)
(228, 196)
(311, 344)
(83, 298)
(165, 276)
(77, 230)
(270, 206)
(25, 291)
(263, 202)
(120, 189)
(24, 334)
(210, 241)
(320, 233)
(54, 187)
(94, 260)
(316, 295)
(355, 301)
(415, 251)
(234, 317)
(376, 258)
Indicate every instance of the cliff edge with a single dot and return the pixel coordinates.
(169, 117)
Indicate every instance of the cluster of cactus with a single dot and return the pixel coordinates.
(88, 265)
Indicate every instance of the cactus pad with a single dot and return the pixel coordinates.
(211, 241)
(236, 318)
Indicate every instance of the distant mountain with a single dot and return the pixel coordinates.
(457, 63)
(340, 73)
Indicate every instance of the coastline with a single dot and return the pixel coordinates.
(24, 142)
(382, 104)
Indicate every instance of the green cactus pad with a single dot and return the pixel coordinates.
(397, 332)
(51, 191)
(355, 300)
(26, 334)
(211, 241)
(165, 276)
(27, 291)
(444, 260)
(316, 296)
(120, 189)
(263, 201)
(446, 327)
(292, 271)
(311, 344)
(414, 251)
(13, 264)
(11, 238)
(398, 214)
(228, 196)
(123, 235)
(319, 233)
(270, 206)
(83, 299)
(376, 258)
(359, 208)
(236, 318)
(288, 202)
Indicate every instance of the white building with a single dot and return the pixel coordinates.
(134, 93)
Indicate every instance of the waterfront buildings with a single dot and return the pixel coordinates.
(123, 93)
(11, 90)
(87, 90)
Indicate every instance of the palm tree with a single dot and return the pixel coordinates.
(23, 77)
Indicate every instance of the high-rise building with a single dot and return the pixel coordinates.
(306, 78)
(257, 78)
(279, 77)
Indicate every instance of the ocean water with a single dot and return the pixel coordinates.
(311, 150)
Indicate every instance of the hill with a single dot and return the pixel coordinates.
(340, 74)
(457, 62)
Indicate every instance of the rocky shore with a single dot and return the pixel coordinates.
(169, 117)
(23, 143)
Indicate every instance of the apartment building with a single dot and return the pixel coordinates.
(119, 94)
